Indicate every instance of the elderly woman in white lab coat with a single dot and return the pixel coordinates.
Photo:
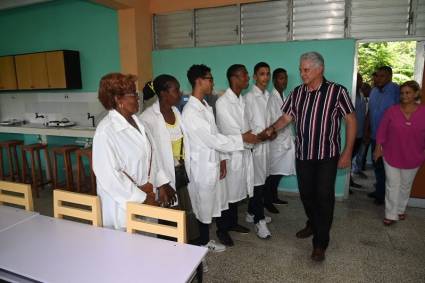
(281, 153)
(163, 120)
(124, 157)
(204, 163)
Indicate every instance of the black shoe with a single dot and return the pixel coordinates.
(280, 202)
(239, 229)
(318, 254)
(372, 195)
(271, 208)
(224, 238)
(304, 233)
(378, 201)
(355, 185)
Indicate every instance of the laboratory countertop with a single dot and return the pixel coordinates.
(39, 129)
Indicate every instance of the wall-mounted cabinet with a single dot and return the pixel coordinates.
(48, 70)
(7, 73)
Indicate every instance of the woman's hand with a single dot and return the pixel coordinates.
(249, 137)
(167, 195)
(147, 188)
(150, 199)
(223, 169)
(377, 153)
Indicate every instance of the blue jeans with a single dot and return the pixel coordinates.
(379, 175)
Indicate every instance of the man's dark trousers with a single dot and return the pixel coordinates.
(316, 182)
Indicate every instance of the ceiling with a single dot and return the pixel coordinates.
(9, 4)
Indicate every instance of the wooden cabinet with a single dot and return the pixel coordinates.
(7, 73)
(49, 70)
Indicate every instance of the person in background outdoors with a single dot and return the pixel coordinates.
(204, 155)
(230, 109)
(383, 95)
(359, 164)
(163, 120)
(360, 108)
(317, 107)
(281, 152)
(124, 156)
(400, 140)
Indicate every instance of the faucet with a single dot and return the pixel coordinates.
(38, 116)
(89, 116)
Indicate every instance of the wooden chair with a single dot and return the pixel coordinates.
(24, 198)
(12, 157)
(64, 151)
(134, 223)
(81, 175)
(60, 209)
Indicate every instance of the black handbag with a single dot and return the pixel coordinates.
(180, 172)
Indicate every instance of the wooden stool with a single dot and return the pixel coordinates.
(81, 174)
(12, 155)
(65, 151)
(36, 173)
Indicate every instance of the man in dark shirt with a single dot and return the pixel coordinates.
(317, 107)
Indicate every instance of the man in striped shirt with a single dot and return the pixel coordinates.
(317, 107)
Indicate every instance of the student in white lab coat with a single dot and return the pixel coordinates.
(124, 158)
(204, 162)
(255, 112)
(230, 109)
(281, 158)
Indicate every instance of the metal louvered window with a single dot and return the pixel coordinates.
(419, 18)
(379, 18)
(217, 26)
(318, 19)
(265, 22)
(173, 30)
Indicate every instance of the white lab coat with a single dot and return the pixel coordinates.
(118, 147)
(153, 120)
(281, 153)
(202, 159)
(230, 112)
(255, 113)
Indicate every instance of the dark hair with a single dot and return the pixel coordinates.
(115, 84)
(232, 70)
(412, 84)
(197, 71)
(278, 71)
(260, 65)
(386, 69)
(160, 83)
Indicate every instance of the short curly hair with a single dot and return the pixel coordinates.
(115, 84)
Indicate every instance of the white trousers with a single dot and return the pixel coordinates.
(398, 183)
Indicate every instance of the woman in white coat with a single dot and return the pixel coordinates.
(124, 158)
(204, 163)
(281, 153)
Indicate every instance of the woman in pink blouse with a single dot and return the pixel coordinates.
(401, 141)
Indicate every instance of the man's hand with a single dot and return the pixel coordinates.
(150, 199)
(147, 188)
(223, 169)
(249, 137)
(167, 195)
(344, 160)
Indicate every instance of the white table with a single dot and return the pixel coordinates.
(10, 216)
(54, 250)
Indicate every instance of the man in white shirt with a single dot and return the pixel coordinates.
(281, 154)
(255, 112)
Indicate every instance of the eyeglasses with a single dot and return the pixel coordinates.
(210, 78)
(134, 94)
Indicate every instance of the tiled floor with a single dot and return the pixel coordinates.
(362, 249)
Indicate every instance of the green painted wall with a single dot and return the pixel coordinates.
(67, 24)
(338, 54)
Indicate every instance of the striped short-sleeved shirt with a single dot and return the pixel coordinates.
(317, 116)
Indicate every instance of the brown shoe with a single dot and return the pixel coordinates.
(304, 233)
(318, 254)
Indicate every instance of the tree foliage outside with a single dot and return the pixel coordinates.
(400, 56)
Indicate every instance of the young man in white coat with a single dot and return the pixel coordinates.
(204, 160)
(281, 153)
(255, 112)
(230, 109)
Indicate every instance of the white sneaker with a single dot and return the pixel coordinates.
(250, 218)
(212, 246)
(262, 230)
(204, 265)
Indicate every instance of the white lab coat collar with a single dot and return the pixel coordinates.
(276, 93)
(258, 92)
(201, 106)
(157, 110)
(232, 96)
(119, 123)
